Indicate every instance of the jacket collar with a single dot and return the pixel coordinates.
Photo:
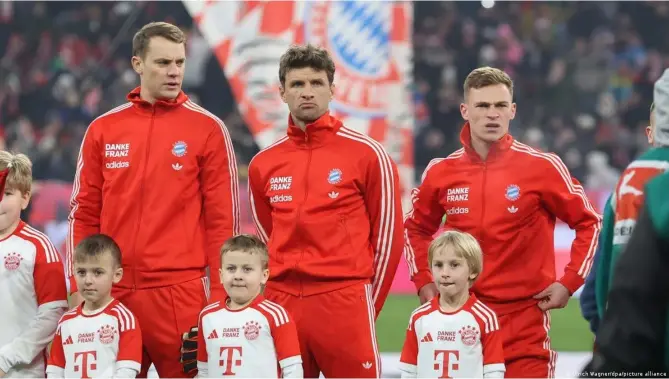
(160, 106)
(316, 133)
(497, 149)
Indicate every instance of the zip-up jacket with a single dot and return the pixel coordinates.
(509, 203)
(625, 206)
(327, 203)
(162, 181)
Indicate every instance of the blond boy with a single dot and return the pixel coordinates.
(454, 335)
(32, 280)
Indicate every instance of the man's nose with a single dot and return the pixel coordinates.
(173, 70)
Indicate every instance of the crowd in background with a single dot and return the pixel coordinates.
(583, 74)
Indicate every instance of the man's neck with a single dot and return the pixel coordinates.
(482, 148)
(144, 95)
(299, 123)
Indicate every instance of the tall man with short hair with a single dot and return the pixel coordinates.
(158, 174)
(326, 199)
(508, 195)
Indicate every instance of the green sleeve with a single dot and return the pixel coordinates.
(657, 191)
(604, 265)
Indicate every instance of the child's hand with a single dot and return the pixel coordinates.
(2, 374)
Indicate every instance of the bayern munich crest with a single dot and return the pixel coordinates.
(512, 192)
(358, 35)
(179, 148)
(334, 177)
(251, 330)
(12, 261)
(469, 335)
(106, 334)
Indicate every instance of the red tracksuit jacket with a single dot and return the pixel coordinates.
(162, 181)
(510, 203)
(327, 202)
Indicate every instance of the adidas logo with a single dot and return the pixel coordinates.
(333, 195)
(177, 166)
(68, 341)
(367, 365)
(512, 209)
(427, 338)
(213, 335)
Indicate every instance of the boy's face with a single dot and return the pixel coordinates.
(451, 272)
(242, 275)
(95, 276)
(13, 202)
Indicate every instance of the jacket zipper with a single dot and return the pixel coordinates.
(485, 172)
(306, 194)
(141, 195)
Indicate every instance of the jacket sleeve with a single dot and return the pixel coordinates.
(420, 224)
(384, 206)
(632, 335)
(588, 298)
(604, 264)
(565, 198)
(86, 200)
(261, 210)
(220, 192)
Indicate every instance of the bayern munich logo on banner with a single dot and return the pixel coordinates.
(358, 36)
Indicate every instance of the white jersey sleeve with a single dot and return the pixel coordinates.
(48, 287)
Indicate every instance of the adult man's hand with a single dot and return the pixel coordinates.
(553, 297)
(427, 292)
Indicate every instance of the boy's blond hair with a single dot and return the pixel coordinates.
(249, 244)
(20, 175)
(464, 245)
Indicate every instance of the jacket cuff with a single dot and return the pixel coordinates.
(421, 279)
(572, 281)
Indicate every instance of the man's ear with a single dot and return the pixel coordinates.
(282, 92)
(136, 63)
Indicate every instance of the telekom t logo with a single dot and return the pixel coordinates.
(229, 360)
(447, 363)
(84, 362)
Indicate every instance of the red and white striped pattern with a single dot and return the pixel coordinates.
(44, 241)
(76, 187)
(552, 355)
(278, 313)
(574, 189)
(387, 224)
(232, 164)
(126, 320)
(260, 230)
(409, 254)
(486, 315)
(371, 313)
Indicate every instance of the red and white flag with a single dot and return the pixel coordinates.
(370, 42)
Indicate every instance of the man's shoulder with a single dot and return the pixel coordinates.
(658, 203)
(439, 165)
(268, 155)
(120, 112)
(198, 116)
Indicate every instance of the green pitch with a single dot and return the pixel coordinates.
(569, 331)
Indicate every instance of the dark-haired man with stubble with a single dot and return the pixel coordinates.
(326, 200)
(158, 174)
